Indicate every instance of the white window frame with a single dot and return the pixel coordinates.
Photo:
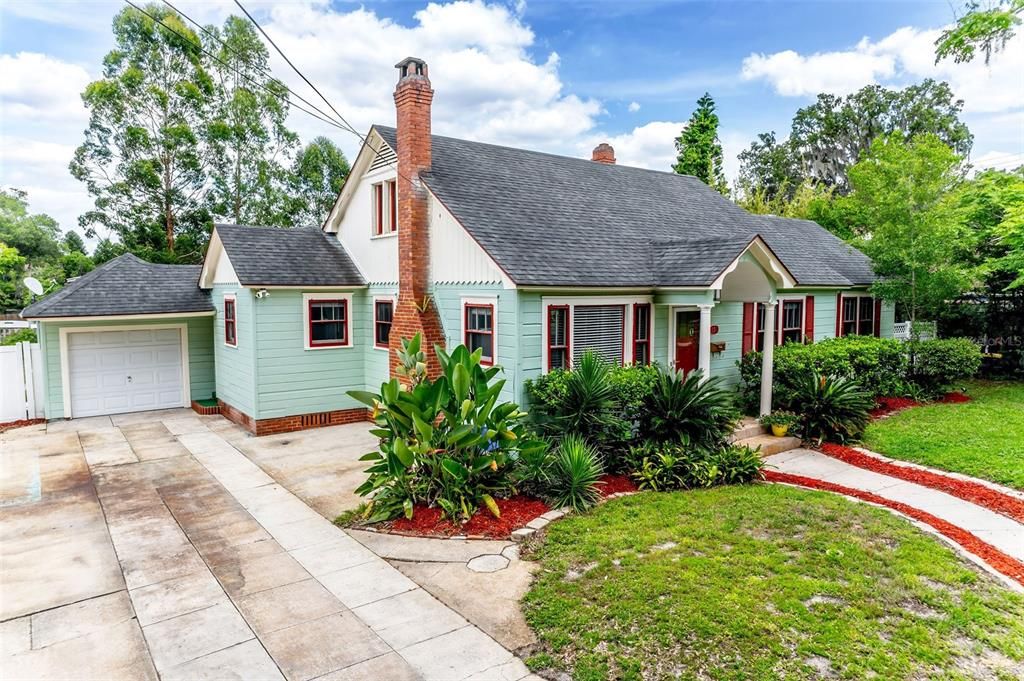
(572, 301)
(858, 295)
(307, 298)
(387, 228)
(479, 301)
(224, 311)
(373, 332)
(782, 312)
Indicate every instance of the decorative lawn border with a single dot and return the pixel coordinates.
(999, 561)
(974, 492)
(887, 406)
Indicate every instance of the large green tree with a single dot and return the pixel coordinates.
(250, 141)
(904, 191)
(699, 151)
(35, 236)
(143, 158)
(12, 270)
(319, 170)
(984, 29)
(828, 137)
(991, 206)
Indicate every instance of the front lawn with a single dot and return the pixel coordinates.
(762, 582)
(983, 438)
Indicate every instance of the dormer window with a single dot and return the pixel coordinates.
(385, 208)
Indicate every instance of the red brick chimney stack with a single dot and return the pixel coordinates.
(415, 311)
(603, 153)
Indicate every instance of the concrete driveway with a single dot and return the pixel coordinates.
(148, 545)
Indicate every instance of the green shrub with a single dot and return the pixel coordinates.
(937, 363)
(660, 466)
(879, 364)
(20, 336)
(691, 408)
(833, 408)
(447, 441)
(599, 401)
(576, 474)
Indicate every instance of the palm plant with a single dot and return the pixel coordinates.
(590, 405)
(831, 407)
(700, 411)
(576, 478)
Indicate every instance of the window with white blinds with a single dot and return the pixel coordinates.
(600, 328)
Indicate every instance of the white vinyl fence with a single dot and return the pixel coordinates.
(21, 382)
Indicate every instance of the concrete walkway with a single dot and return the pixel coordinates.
(993, 528)
(181, 558)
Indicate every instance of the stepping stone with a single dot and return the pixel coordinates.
(489, 563)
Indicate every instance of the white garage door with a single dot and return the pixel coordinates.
(112, 372)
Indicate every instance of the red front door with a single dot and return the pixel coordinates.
(687, 338)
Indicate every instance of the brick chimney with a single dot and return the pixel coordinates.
(415, 311)
(603, 153)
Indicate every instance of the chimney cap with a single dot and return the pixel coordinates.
(411, 66)
(603, 153)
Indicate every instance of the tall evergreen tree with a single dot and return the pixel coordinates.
(317, 175)
(699, 149)
(143, 158)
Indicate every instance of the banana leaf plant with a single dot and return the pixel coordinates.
(446, 441)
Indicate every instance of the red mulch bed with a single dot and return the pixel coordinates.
(890, 405)
(516, 512)
(973, 492)
(1007, 565)
(11, 425)
(614, 484)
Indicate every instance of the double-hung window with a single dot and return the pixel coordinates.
(383, 312)
(760, 309)
(858, 317)
(478, 326)
(792, 321)
(328, 323)
(230, 322)
(600, 328)
(642, 333)
(385, 207)
(558, 337)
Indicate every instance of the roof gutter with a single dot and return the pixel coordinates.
(118, 317)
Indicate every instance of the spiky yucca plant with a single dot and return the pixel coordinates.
(831, 408)
(700, 411)
(576, 478)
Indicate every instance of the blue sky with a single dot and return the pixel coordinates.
(557, 76)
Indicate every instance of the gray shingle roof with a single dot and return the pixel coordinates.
(271, 256)
(126, 285)
(557, 221)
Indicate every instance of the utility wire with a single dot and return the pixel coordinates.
(225, 64)
(241, 58)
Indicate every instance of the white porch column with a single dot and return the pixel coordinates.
(767, 357)
(704, 346)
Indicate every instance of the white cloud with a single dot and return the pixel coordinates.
(906, 55)
(634, 107)
(651, 145)
(38, 87)
(999, 160)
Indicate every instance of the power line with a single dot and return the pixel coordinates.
(242, 59)
(225, 64)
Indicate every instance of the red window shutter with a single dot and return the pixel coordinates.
(878, 317)
(839, 315)
(809, 319)
(748, 328)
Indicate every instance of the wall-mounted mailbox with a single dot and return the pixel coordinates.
(718, 347)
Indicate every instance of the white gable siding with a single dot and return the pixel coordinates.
(375, 256)
(224, 273)
(455, 257)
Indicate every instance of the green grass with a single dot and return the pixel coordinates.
(763, 582)
(983, 438)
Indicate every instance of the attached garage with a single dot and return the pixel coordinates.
(113, 371)
(129, 336)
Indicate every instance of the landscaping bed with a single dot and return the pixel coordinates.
(890, 405)
(983, 438)
(11, 425)
(763, 581)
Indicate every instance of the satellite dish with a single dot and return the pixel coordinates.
(33, 285)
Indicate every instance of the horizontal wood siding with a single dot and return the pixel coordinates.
(376, 359)
(728, 316)
(236, 365)
(449, 303)
(293, 380)
(200, 356)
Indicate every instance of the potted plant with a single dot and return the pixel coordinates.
(779, 421)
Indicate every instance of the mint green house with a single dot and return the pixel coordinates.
(533, 258)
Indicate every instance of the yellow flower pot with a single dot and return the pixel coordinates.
(780, 431)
